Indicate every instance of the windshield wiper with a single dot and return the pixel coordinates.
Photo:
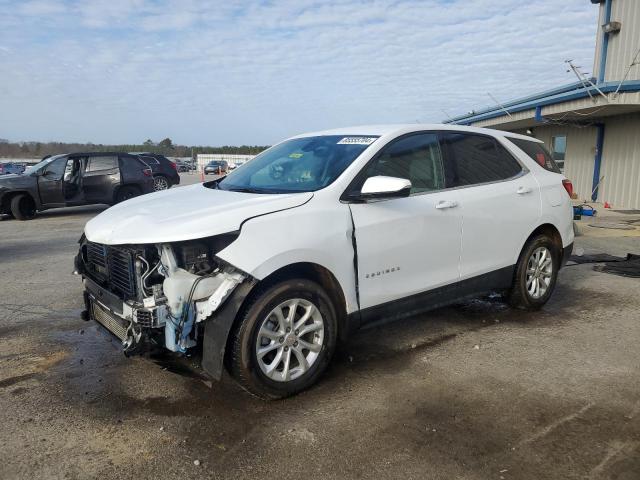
(248, 190)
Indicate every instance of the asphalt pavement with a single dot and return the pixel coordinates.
(473, 391)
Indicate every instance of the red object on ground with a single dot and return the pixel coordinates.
(607, 205)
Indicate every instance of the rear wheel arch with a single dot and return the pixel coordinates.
(162, 178)
(548, 230)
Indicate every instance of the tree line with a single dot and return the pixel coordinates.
(164, 147)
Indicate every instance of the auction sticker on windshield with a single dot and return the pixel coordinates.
(357, 140)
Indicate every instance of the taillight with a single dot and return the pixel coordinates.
(147, 172)
(174, 166)
(568, 186)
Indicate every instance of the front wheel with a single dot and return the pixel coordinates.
(23, 207)
(536, 274)
(126, 193)
(285, 339)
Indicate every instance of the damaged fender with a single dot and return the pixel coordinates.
(216, 329)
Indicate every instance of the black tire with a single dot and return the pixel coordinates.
(519, 295)
(126, 193)
(23, 207)
(242, 360)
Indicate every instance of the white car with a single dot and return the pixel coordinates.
(266, 269)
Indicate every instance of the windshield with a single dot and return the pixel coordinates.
(299, 165)
(41, 164)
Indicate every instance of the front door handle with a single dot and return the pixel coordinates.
(523, 190)
(441, 205)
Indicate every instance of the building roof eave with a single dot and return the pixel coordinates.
(561, 95)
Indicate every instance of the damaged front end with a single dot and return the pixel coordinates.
(156, 294)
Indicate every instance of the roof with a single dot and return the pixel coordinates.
(401, 129)
(573, 91)
(88, 154)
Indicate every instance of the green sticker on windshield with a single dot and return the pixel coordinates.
(295, 155)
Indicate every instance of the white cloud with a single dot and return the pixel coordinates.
(236, 72)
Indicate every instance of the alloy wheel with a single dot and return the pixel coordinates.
(289, 340)
(160, 183)
(539, 272)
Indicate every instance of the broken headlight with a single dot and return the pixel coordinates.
(199, 256)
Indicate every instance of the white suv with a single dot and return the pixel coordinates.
(265, 270)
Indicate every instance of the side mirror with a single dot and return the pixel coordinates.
(381, 187)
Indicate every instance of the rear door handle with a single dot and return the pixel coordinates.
(523, 190)
(441, 205)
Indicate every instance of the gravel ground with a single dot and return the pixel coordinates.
(474, 391)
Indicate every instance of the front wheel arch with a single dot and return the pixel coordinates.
(323, 277)
(218, 336)
(120, 191)
(22, 210)
(242, 360)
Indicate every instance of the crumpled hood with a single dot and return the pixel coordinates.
(184, 213)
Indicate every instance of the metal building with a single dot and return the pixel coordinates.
(592, 127)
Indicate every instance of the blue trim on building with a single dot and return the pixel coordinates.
(541, 101)
(539, 117)
(605, 42)
(597, 163)
(529, 98)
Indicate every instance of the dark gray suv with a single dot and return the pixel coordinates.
(72, 180)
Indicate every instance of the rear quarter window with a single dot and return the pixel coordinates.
(537, 152)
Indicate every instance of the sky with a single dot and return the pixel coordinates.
(255, 72)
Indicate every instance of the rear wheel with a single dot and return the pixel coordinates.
(536, 274)
(126, 193)
(285, 339)
(160, 183)
(23, 207)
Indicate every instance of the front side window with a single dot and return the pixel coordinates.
(97, 164)
(479, 159)
(55, 169)
(41, 165)
(298, 165)
(537, 152)
(417, 158)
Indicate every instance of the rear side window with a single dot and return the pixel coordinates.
(479, 159)
(151, 160)
(96, 164)
(537, 152)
